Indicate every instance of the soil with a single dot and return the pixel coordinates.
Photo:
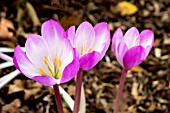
(147, 86)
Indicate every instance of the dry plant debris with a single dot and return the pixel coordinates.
(147, 86)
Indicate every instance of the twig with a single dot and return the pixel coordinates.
(30, 11)
(33, 14)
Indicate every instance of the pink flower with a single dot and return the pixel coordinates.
(90, 43)
(50, 59)
(132, 48)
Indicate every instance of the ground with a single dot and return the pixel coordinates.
(147, 86)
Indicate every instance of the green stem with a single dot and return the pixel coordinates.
(119, 91)
(58, 99)
(78, 91)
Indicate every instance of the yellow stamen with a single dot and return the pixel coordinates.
(59, 75)
(90, 50)
(45, 60)
(42, 71)
(50, 73)
(54, 61)
(59, 63)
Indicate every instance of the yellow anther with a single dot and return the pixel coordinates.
(42, 71)
(90, 50)
(59, 63)
(45, 60)
(54, 61)
(59, 75)
(53, 68)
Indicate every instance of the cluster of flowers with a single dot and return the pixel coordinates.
(58, 55)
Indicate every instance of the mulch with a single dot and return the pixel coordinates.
(147, 86)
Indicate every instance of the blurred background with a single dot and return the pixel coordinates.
(147, 86)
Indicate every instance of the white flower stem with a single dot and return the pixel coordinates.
(7, 78)
(9, 50)
(67, 98)
(82, 101)
(5, 57)
(6, 64)
(6, 50)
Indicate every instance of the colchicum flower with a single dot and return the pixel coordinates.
(132, 48)
(90, 43)
(50, 59)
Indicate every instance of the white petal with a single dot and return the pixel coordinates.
(85, 36)
(131, 37)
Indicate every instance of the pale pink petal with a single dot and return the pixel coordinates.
(36, 49)
(65, 52)
(147, 40)
(88, 61)
(70, 34)
(52, 32)
(121, 50)
(45, 80)
(102, 38)
(133, 57)
(117, 38)
(131, 37)
(85, 37)
(22, 62)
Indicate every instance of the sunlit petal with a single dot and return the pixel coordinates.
(85, 37)
(102, 38)
(22, 62)
(132, 37)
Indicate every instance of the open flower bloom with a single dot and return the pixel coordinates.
(132, 48)
(90, 43)
(50, 59)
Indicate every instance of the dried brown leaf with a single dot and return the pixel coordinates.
(19, 86)
(5, 25)
(13, 107)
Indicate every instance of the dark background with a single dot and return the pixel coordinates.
(147, 87)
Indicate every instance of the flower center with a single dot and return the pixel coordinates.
(84, 50)
(53, 67)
